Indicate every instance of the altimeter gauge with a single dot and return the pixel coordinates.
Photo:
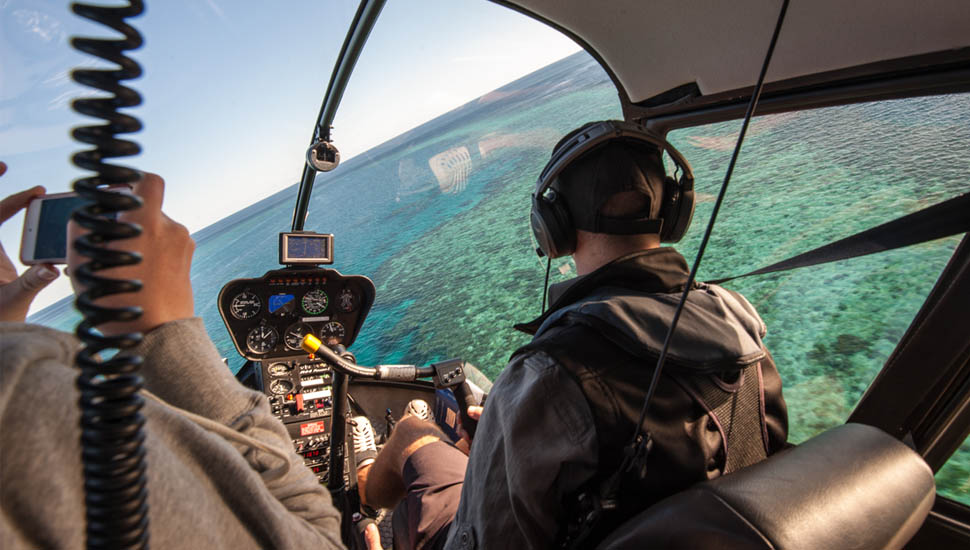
(245, 305)
(332, 333)
(294, 335)
(262, 339)
(314, 302)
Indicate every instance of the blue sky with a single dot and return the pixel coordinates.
(231, 89)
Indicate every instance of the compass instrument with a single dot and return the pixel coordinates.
(347, 301)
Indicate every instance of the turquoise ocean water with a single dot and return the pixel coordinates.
(437, 217)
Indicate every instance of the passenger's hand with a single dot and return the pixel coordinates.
(16, 293)
(465, 443)
(166, 249)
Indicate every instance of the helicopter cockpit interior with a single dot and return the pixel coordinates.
(854, 168)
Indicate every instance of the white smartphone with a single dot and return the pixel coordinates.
(45, 228)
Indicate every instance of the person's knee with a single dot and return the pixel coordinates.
(411, 428)
(409, 431)
(410, 434)
(382, 484)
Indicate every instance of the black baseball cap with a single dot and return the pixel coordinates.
(621, 162)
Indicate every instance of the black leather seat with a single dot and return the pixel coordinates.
(852, 487)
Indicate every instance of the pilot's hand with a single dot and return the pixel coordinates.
(16, 293)
(166, 249)
(372, 537)
(465, 443)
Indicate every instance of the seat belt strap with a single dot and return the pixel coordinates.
(950, 217)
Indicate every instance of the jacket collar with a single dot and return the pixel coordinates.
(654, 270)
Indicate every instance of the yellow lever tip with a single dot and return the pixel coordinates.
(310, 343)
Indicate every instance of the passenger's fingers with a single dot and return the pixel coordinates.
(16, 296)
(8, 272)
(18, 201)
(475, 412)
(151, 189)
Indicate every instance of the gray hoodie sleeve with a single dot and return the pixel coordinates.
(183, 368)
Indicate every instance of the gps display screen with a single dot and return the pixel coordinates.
(306, 247)
(311, 248)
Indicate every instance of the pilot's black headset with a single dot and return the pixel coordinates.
(552, 225)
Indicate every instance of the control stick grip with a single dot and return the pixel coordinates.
(465, 397)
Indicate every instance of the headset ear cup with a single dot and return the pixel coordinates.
(684, 216)
(667, 208)
(678, 210)
(552, 227)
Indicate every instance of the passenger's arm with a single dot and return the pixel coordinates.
(184, 369)
(535, 445)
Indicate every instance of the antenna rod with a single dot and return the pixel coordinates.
(756, 94)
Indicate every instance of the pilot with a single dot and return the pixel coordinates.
(551, 439)
(221, 471)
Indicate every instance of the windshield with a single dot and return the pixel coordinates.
(229, 90)
(444, 130)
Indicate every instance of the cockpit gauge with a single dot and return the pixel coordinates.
(245, 305)
(348, 300)
(294, 335)
(314, 302)
(262, 339)
(279, 369)
(332, 333)
(281, 304)
(281, 387)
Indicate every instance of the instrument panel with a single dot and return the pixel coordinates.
(300, 394)
(268, 317)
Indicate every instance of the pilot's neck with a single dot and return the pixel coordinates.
(594, 250)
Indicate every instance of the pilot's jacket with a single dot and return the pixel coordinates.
(206, 489)
(559, 416)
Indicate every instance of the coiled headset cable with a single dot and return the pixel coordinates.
(112, 426)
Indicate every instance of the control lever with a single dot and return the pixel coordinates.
(451, 374)
(446, 374)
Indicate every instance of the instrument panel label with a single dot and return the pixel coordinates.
(313, 428)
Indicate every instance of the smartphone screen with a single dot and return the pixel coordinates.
(45, 228)
(52, 227)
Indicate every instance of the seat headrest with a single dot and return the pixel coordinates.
(853, 486)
